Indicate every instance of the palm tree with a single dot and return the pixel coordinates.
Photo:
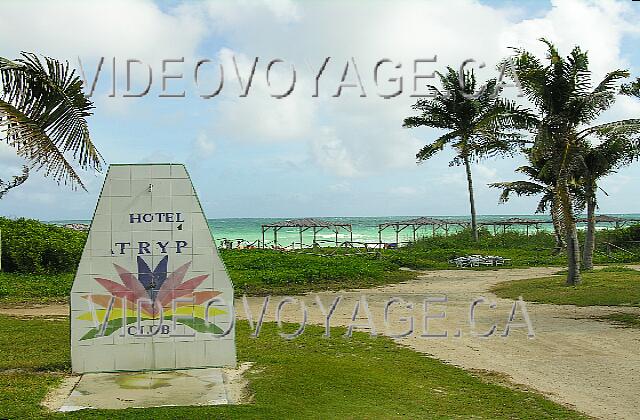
(631, 89)
(15, 182)
(617, 150)
(562, 92)
(540, 183)
(479, 124)
(43, 116)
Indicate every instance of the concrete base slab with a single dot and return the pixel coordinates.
(148, 389)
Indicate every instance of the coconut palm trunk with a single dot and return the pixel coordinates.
(571, 235)
(590, 236)
(472, 202)
(557, 227)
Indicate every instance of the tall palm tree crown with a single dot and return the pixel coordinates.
(478, 123)
(566, 101)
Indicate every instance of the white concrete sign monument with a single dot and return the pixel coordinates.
(151, 291)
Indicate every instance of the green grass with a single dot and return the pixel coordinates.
(435, 252)
(35, 288)
(309, 377)
(611, 286)
(21, 393)
(35, 344)
(255, 272)
(260, 272)
(623, 320)
(535, 250)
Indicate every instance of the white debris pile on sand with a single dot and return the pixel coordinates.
(479, 260)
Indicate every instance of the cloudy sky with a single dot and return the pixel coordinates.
(310, 153)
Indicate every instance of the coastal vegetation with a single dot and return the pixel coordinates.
(258, 272)
(539, 183)
(33, 247)
(39, 260)
(597, 162)
(568, 155)
(613, 152)
(567, 103)
(289, 379)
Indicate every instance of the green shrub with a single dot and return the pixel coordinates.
(261, 272)
(435, 252)
(625, 237)
(30, 246)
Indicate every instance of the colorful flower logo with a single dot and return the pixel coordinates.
(153, 293)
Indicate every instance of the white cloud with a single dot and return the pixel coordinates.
(485, 174)
(259, 117)
(68, 29)
(284, 10)
(84, 31)
(243, 15)
(204, 146)
(346, 137)
(330, 153)
(615, 184)
(10, 163)
(404, 191)
(365, 132)
(340, 187)
(156, 156)
(451, 178)
(624, 107)
(595, 26)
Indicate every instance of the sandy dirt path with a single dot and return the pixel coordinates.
(573, 359)
(27, 310)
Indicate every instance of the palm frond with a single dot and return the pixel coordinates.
(32, 143)
(431, 149)
(483, 124)
(15, 181)
(611, 81)
(520, 188)
(622, 127)
(43, 113)
(631, 89)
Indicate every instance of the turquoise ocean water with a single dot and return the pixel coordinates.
(365, 229)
